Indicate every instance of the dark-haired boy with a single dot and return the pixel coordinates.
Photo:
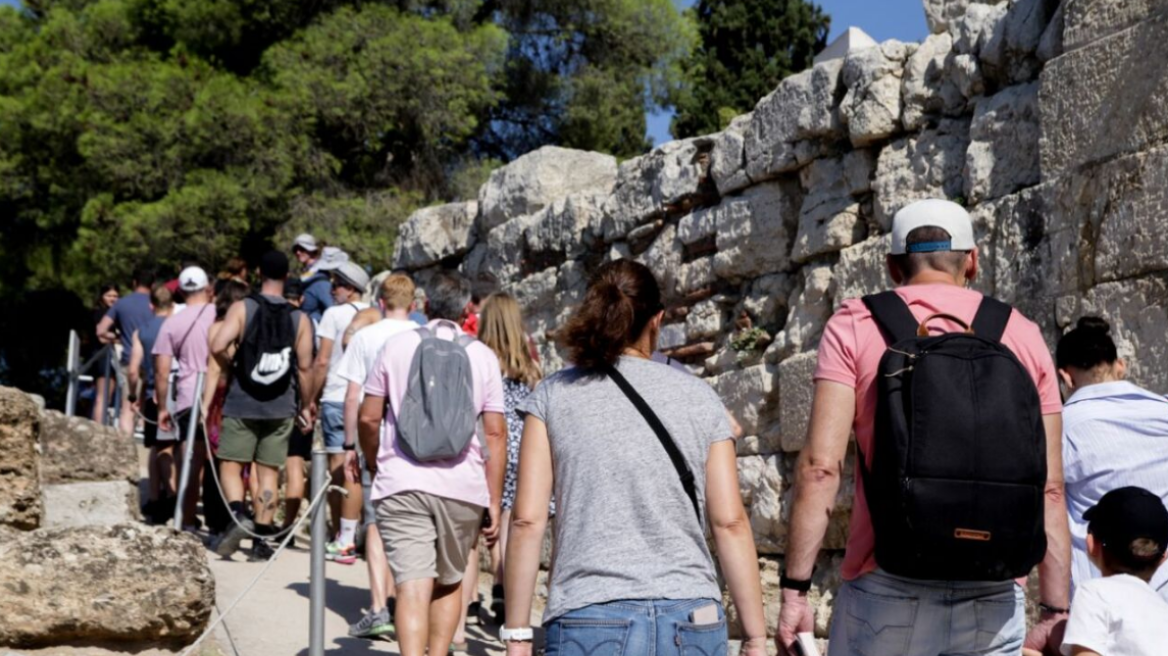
(1120, 614)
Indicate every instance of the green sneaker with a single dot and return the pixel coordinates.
(345, 554)
(373, 625)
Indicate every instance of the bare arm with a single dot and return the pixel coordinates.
(320, 367)
(735, 540)
(366, 317)
(214, 370)
(817, 474)
(134, 373)
(528, 522)
(105, 330)
(369, 428)
(304, 364)
(162, 364)
(1054, 572)
(230, 330)
(495, 427)
(1076, 650)
(352, 411)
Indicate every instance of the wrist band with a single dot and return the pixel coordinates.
(350, 447)
(797, 585)
(1053, 610)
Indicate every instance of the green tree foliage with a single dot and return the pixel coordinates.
(746, 47)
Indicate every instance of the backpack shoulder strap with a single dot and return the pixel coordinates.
(683, 471)
(425, 333)
(891, 313)
(991, 319)
(465, 340)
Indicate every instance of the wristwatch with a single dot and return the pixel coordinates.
(798, 585)
(516, 635)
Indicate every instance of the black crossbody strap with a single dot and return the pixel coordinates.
(991, 319)
(683, 471)
(891, 313)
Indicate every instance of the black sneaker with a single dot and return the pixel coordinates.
(235, 534)
(260, 551)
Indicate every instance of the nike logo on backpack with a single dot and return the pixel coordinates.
(272, 366)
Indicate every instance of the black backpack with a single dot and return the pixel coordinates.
(266, 360)
(956, 485)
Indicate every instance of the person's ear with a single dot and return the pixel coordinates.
(1120, 369)
(893, 270)
(1067, 380)
(972, 265)
(1094, 549)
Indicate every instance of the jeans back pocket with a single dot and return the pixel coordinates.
(703, 639)
(588, 637)
(879, 625)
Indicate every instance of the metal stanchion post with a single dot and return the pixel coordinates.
(189, 447)
(71, 367)
(320, 479)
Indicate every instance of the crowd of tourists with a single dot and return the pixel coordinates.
(980, 458)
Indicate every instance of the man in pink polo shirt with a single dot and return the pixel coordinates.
(430, 514)
(933, 258)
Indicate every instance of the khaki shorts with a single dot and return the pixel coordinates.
(255, 440)
(427, 537)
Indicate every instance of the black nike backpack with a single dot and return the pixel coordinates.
(265, 361)
(958, 468)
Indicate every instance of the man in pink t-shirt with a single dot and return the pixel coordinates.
(430, 514)
(933, 258)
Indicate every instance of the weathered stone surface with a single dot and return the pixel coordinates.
(1131, 200)
(1003, 144)
(762, 494)
(1087, 21)
(751, 395)
(20, 489)
(804, 106)
(1138, 312)
(503, 257)
(830, 218)
(695, 275)
(667, 180)
(534, 180)
(872, 105)
(1051, 44)
(978, 28)
(536, 294)
(564, 229)
(938, 81)
(861, 269)
(1009, 56)
(698, 225)
(941, 14)
(124, 584)
(755, 230)
(433, 234)
(766, 302)
(810, 308)
(728, 158)
(928, 165)
(796, 389)
(664, 257)
(104, 503)
(74, 449)
(706, 319)
(1093, 104)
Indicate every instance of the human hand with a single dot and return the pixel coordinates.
(164, 422)
(516, 648)
(754, 647)
(352, 468)
(795, 617)
(1046, 637)
(308, 416)
(491, 533)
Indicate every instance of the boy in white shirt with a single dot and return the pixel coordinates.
(1120, 614)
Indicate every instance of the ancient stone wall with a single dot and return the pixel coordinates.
(1047, 120)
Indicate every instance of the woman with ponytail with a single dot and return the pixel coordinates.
(641, 461)
(1115, 434)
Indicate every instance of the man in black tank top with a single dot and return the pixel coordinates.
(257, 420)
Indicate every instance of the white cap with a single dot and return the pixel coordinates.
(305, 241)
(933, 213)
(330, 258)
(192, 279)
(353, 275)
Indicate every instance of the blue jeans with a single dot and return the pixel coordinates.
(637, 628)
(883, 615)
(332, 424)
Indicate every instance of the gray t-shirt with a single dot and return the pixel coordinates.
(624, 527)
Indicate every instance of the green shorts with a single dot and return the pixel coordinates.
(255, 440)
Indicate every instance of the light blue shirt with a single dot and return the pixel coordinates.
(1114, 435)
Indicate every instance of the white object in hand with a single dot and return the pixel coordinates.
(807, 644)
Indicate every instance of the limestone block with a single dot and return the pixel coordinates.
(938, 81)
(872, 105)
(536, 294)
(766, 302)
(1138, 312)
(672, 336)
(755, 230)
(758, 445)
(695, 275)
(103, 503)
(762, 494)
(1051, 44)
(700, 224)
(1087, 21)
(1132, 199)
(564, 226)
(1028, 230)
(859, 167)
(811, 306)
(664, 257)
(128, 584)
(940, 15)
(979, 28)
(804, 106)
(1003, 144)
(534, 180)
(668, 179)
(751, 395)
(796, 389)
(928, 165)
(75, 449)
(504, 257)
(1095, 107)
(706, 319)
(830, 217)
(433, 234)
(862, 270)
(1009, 56)
(728, 158)
(20, 485)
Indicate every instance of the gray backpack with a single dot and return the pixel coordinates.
(437, 417)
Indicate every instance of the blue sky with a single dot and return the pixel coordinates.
(883, 19)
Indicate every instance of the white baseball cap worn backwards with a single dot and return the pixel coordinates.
(932, 213)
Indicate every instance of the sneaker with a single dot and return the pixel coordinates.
(260, 551)
(235, 534)
(344, 554)
(373, 625)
